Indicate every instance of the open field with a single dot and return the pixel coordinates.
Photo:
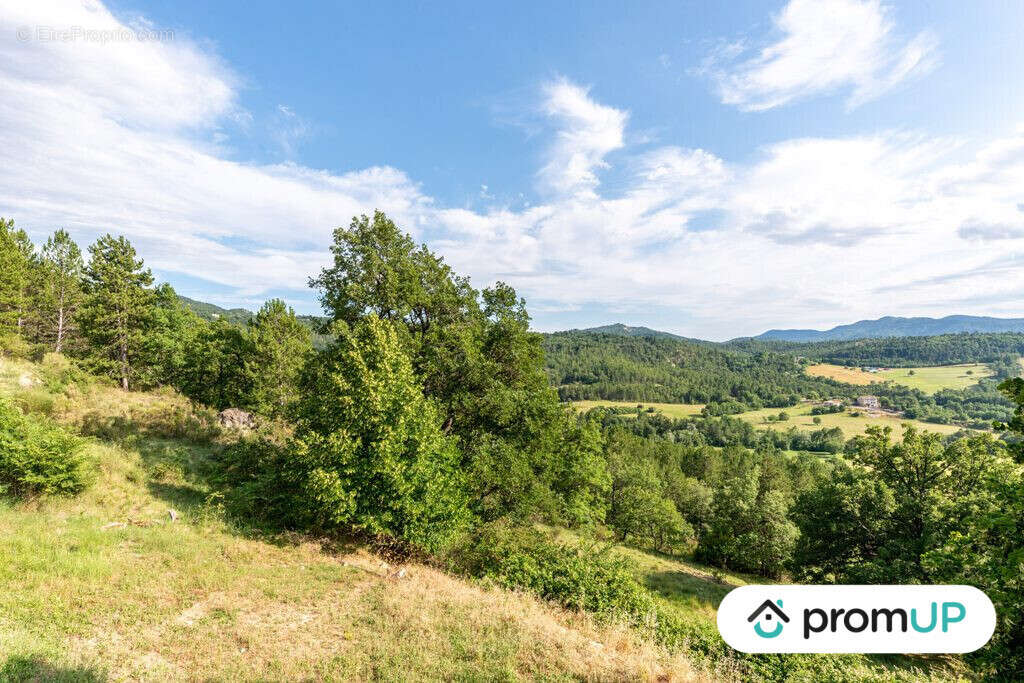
(800, 417)
(841, 374)
(927, 379)
(932, 379)
(107, 587)
(673, 410)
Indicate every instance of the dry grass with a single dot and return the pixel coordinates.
(674, 410)
(841, 374)
(107, 586)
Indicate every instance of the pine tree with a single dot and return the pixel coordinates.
(16, 261)
(60, 291)
(117, 307)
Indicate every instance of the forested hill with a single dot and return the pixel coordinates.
(241, 316)
(586, 365)
(946, 349)
(890, 326)
(630, 331)
(211, 312)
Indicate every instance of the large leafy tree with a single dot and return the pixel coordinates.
(281, 344)
(60, 292)
(376, 459)
(475, 357)
(219, 371)
(117, 308)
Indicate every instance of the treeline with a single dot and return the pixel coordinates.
(586, 365)
(945, 349)
(614, 367)
(924, 509)
(104, 310)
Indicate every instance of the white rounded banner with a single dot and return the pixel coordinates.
(879, 619)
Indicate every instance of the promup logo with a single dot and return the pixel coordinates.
(894, 619)
(766, 612)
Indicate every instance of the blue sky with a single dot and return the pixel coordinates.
(713, 169)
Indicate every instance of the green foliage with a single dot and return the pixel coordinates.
(16, 264)
(59, 293)
(748, 529)
(117, 308)
(875, 521)
(476, 359)
(280, 347)
(38, 457)
(642, 508)
(582, 576)
(368, 455)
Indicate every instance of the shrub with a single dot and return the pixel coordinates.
(59, 372)
(581, 576)
(38, 457)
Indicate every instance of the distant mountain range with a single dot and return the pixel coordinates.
(890, 326)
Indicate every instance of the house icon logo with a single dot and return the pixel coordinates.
(764, 616)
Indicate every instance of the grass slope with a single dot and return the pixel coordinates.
(801, 418)
(674, 410)
(107, 586)
(928, 379)
(932, 379)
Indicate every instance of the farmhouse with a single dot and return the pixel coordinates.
(868, 402)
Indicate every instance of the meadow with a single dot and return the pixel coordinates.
(673, 410)
(801, 418)
(927, 379)
(107, 586)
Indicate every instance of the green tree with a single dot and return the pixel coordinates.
(374, 455)
(16, 266)
(60, 291)
(874, 521)
(117, 308)
(280, 347)
(219, 370)
(749, 529)
(475, 357)
(170, 342)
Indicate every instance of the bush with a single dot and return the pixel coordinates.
(59, 372)
(581, 576)
(38, 457)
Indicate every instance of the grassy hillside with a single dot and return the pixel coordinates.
(927, 379)
(932, 379)
(673, 410)
(801, 418)
(106, 585)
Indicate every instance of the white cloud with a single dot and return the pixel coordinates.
(812, 232)
(824, 46)
(588, 132)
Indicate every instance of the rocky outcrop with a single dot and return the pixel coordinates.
(233, 418)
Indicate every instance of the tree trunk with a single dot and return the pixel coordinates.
(60, 329)
(124, 366)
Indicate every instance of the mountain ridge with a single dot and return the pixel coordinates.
(895, 326)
